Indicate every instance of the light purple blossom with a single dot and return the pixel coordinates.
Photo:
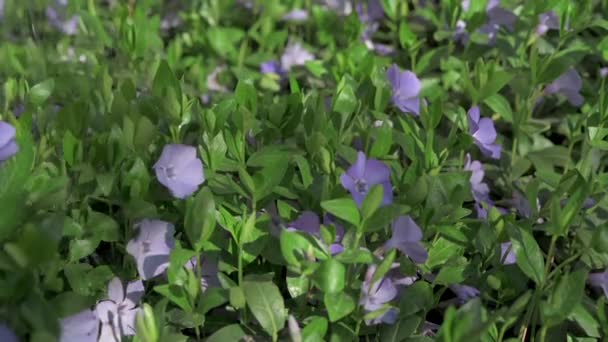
(506, 253)
(294, 55)
(271, 67)
(377, 295)
(366, 37)
(479, 189)
(8, 146)
(370, 11)
(180, 170)
(406, 88)
(461, 34)
(296, 15)
(406, 237)
(67, 26)
(81, 327)
(599, 279)
(6, 334)
(464, 292)
(363, 175)
(309, 223)
(208, 271)
(117, 313)
(547, 21)
(151, 247)
(484, 134)
(603, 72)
(569, 85)
(496, 16)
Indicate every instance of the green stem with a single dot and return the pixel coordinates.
(549, 257)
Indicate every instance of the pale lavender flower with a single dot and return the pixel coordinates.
(479, 189)
(6, 334)
(599, 279)
(296, 15)
(294, 329)
(363, 175)
(603, 72)
(294, 55)
(484, 134)
(117, 313)
(366, 37)
(208, 271)
(151, 247)
(1, 9)
(506, 253)
(370, 11)
(464, 292)
(497, 17)
(179, 169)
(547, 21)
(309, 223)
(406, 88)
(406, 237)
(67, 26)
(569, 85)
(461, 35)
(8, 146)
(81, 327)
(271, 67)
(377, 295)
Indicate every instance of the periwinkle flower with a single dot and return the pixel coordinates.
(406, 238)
(603, 72)
(296, 15)
(271, 67)
(180, 170)
(309, 223)
(56, 19)
(375, 296)
(479, 189)
(7, 335)
(8, 146)
(484, 134)
(599, 279)
(81, 327)
(208, 271)
(117, 313)
(464, 292)
(506, 253)
(294, 55)
(370, 11)
(569, 85)
(151, 247)
(406, 88)
(497, 17)
(363, 175)
(461, 34)
(547, 21)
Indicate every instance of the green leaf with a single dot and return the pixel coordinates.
(315, 330)
(527, 253)
(372, 201)
(200, 218)
(330, 275)
(175, 294)
(265, 302)
(103, 226)
(501, 106)
(565, 298)
(232, 332)
(338, 305)
(344, 208)
(497, 80)
(401, 330)
(41, 92)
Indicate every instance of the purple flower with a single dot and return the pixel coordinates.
(376, 296)
(7, 335)
(506, 253)
(599, 279)
(464, 292)
(309, 223)
(484, 133)
(363, 175)
(479, 189)
(569, 85)
(496, 18)
(296, 15)
(8, 146)
(370, 11)
(366, 37)
(406, 87)
(603, 72)
(271, 67)
(81, 327)
(57, 20)
(179, 170)
(151, 247)
(295, 55)
(406, 238)
(461, 35)
(547, 21)
(117, 313)
(208, 271)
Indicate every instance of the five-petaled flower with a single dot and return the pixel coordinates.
(8, 146)
(180, 170)
(464, 292)
(406, 238)
(484, 134)
(151, 247)
(377, 295)
(117, 313)
(363, 175)
(309, 222)
(569, 84)
(599, 279)
(547, 21)
(81, 327)
(406, 88)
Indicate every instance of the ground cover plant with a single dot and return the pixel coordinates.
(382, 170)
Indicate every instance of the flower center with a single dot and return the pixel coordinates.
(170, 171)
(361, 186)
(145, 246)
